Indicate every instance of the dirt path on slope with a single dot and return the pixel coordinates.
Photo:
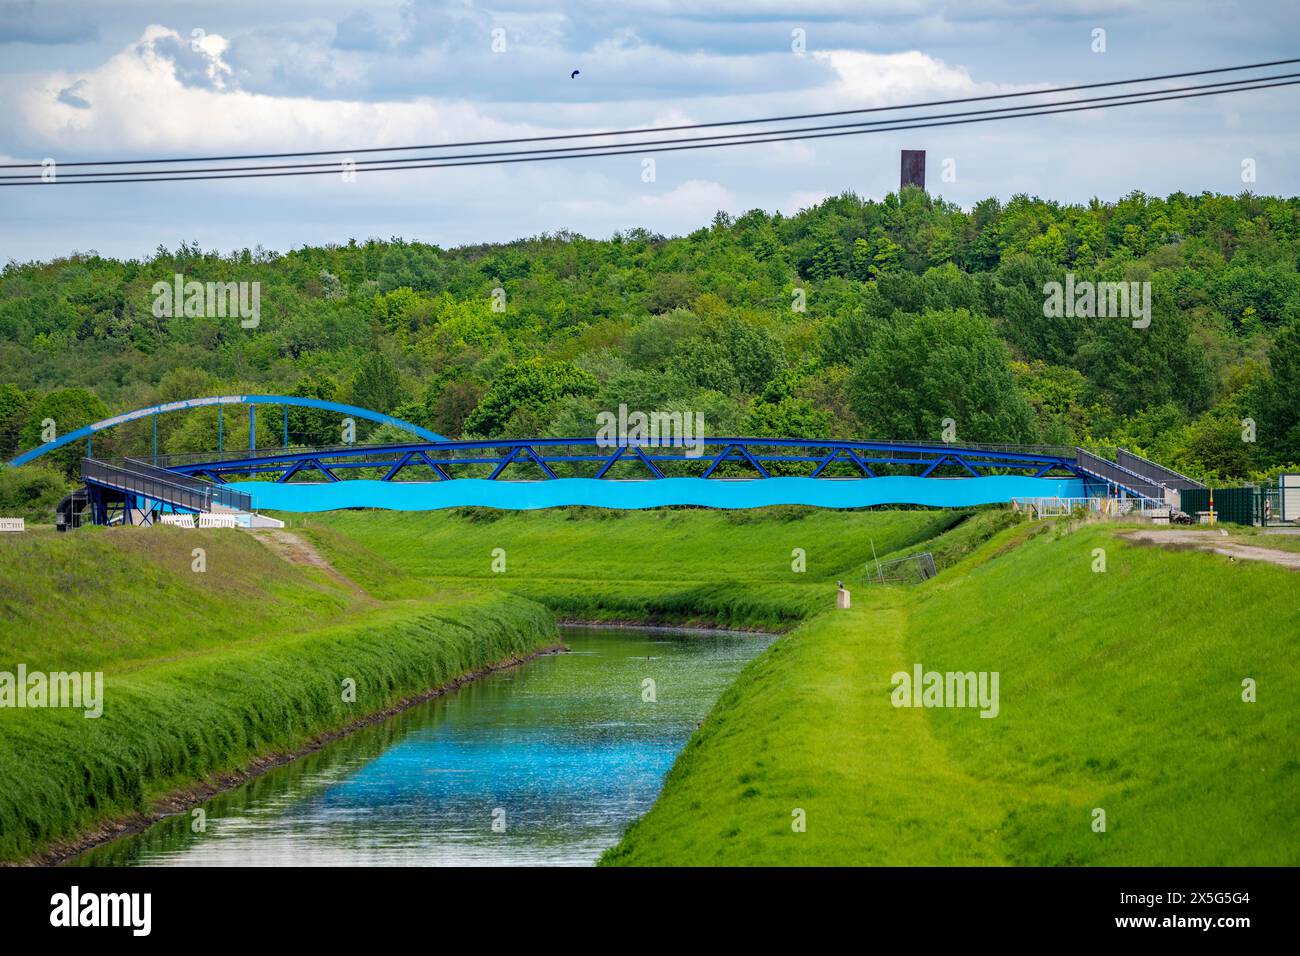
(297, 550)
(1218, 544)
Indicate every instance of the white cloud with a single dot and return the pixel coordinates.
(687, 205)
(137, 102)
(276, 80)
(695, 197)
(881, 79)
(802, 199)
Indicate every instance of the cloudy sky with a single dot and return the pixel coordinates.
(118, 80)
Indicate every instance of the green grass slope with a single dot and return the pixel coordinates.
(205, 672)
(683, 566)
(1125, 685)
(1121, 690)
(101, 598)
(672, 544)
(171, 724)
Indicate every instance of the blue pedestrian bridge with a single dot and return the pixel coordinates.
(430, 471)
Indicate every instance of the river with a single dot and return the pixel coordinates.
(543, 764)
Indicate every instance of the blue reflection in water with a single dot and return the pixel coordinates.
(546, 763)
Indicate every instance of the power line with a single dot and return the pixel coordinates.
(632, 149)
(678, 128)
(578, 151)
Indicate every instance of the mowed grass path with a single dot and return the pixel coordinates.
(1120, 690)
(808, 729)
(1127, 685)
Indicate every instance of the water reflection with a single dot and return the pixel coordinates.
(560, 754)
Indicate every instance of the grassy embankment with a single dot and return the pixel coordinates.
(207, 673)
(670, 566)
(1120, 690)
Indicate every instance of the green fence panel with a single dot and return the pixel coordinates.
(1235, 505)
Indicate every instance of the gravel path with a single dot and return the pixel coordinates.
(297, 550)
(1214, 541)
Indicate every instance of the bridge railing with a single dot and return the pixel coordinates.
(162, 474)
(1144, 466)
(709, 457)
(241, 454)
(216, 494)
(1067, 452)
(1118, 475)
(165, 486)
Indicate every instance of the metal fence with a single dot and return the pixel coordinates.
(1273, 511)
(912, 569)
(270, 451)
(162, 474)
(161, 485)
(1143, 466)
(1055, 451)
(1235, 505)
(217, 495)
(1117, 474)
(1050, 507)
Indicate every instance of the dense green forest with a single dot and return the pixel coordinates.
(854, 318)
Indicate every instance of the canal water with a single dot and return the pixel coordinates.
(546, 763)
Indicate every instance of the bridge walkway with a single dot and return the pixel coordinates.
(144, 488)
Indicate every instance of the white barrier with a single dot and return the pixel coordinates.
(1060, 507)
(178, 521)
(13, 524)
(218, 521)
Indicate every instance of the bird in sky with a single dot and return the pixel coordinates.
(574, 74)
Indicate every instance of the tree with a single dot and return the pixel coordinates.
(402, 308)
(1019, 293)
(376, 385)
(1277, 397)
(452, 405)
(58, 413)
(659, 337)
(754, 352)
(527, 387)
(311, 426)
(883, 254)
(787, 418)
(824, 260)
(1136, 368)
(14, 407)
(1214, 447)
(924, 369)
(32, 492)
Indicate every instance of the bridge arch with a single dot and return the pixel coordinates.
(219, 401)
